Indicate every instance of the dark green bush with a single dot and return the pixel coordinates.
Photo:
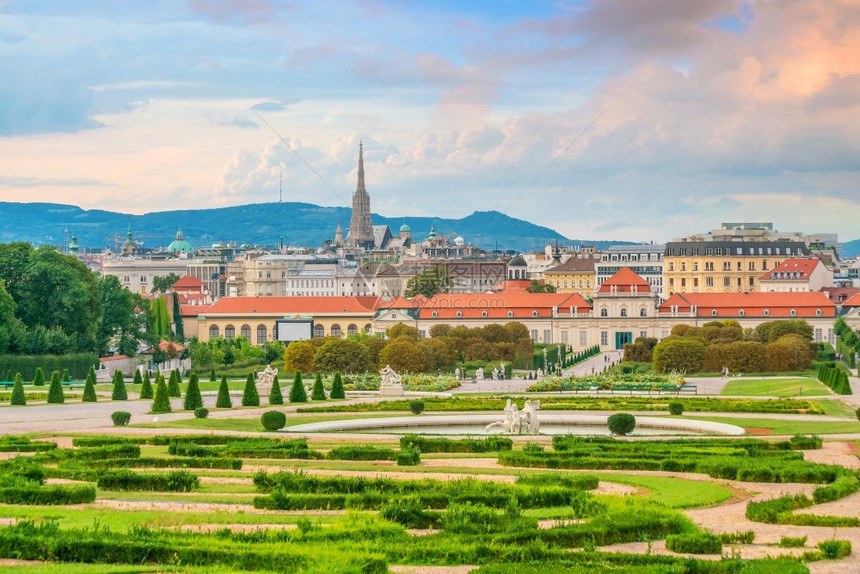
(621, 423)
(90, 387)
(193, 399)
(18, 396)
(174, 481)
(273, 420)
(441, 444)
(318, 392)
(337, 391)
(702, 543)
(223, 401)
(834, 549)
(676, 408)
(161, 403)
(297, 391)
(746, 537)
(173, 389)
(201, 412)
(805, 442)
(361, 453)
(120, 418)
(276, 397)
(48, 495)
(55, 391)
(250, 398)
(416, 407)
(409, 512)
(119, 392)
(408, 457)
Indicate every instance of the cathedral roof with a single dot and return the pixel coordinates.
(180, 243)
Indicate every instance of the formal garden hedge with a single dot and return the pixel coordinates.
(78, 364)
(175, 481)
(440, 444)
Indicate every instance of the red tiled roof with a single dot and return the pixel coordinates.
(792, 270)
(854, 301)
(840, 295)
(805, 304)
(113, 358)
(293, 305)
(498, 305)
(188, 283)
(623, 282)
(192, 310)
(518, 285)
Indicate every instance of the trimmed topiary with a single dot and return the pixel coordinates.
(161, 403)
(298, 394)
(119, 392)
(201, 412)
(250, 398)
(39, 378)
(318, 392)
(621, 423)
(173, 384)
(408, 457)
(90, 387)
(146, 387)
(18, 396)
(55, 392)
(66, 377)
(416, 407)
(676, 408)
(276, 397)
(223, 401)
(120, 418)
(212, 376)
(273, 420)
(337, 391)
(193, 400)
(137, 380)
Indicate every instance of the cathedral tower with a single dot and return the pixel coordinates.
(360, 226)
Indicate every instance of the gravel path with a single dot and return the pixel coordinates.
(834, 452)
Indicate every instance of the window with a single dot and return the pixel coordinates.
(604, 313)
(713, 313)
(319, 331)
(510, 313)
(740, 313)
(671, 266)
(695, 282)
(752, 266)
(367, 328)
(683, 282)
(352, 329)
(764, 264)
(534, 335)
(564, 337)
(818, 312)
(143, 278)
(245, 331)
(752, 281)
(534, 313)
(335, 330)
(727, 281)
(262, 333)
(695, 266)
(604, 338)
(547, 336)
(583, 338)
(484, 314)
(766, 312)
(683, 266)
(229, 332)
(459, 314)
(643, 312)
(213, 331)
(709, 281)
(671, 282)
(434, 314)
(643, 333)
(794, 312)
(623, 312)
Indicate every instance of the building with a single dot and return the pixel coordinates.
(646, 260)
(797, 275)
(573, 276)
(467, 276)
(361, 232)
(266, 274)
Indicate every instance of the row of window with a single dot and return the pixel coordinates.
(643, 312)
(719, 251)
(262, 331)
(727, 266)
(709, 282)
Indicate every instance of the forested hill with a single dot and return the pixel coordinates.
(261, 224)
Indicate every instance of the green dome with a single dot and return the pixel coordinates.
(180, 243)
(405, 227)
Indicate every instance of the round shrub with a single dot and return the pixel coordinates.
(676, 408)
(273, 420)
(120, 418)
(201, 412)
(416, 407)
(621, 423)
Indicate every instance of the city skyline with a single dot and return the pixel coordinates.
(606, 120)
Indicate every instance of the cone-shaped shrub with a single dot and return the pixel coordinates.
(275, 395)
(146, 387)
(223, 401)
(212, 377)
(18, 397)
(173, 385)
(55, 392)
(66, 376)
(297, 392)
(39, 379)
(318, 392)
(137, 380)
(193, 400)
(337, 387)
(250, 398)
(161, 404)
(90, 387)
(119, 392)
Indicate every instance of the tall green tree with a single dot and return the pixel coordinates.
(55, 391)
(120, 325)
(430, 282)
(161, 403)
(177, 319)
(173, 386)
(223, 401)
(193, 399)
(337, 390)
(343, 355)
(90, 387)
(137, 379)
(119, 391)
(162, 283)
(318, 392)
(146, 391)
(275, 395)
(18, 396)
(298, 394)
(250, 398)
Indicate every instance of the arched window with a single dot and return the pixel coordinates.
(766, 313)
(818, 312)
(643, 312)
(352, 330)
(741, 313)
(335, 330)
(604, 313)
(510, 313)
(245, 331)
(319, 331)
(459, 314)
(794, 312)
(262, 333)
(229, 332)
(213, 331)
(534, 313)
(623, 312)
(367, 328)
(713, 312)
(484, 314)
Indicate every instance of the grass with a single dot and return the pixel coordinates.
(248, 424)
(674, 492)
(787, 427)
(794, 387)
(835, 408)
(74, 568)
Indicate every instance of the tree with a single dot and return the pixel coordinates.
(65, 376)
(621, 423)
(119, 325)
(161, 284)
(161, 403)
(337, 391)
(137, 379)
(641, 350)
(403, 355)
(299, 356)
(39, 378)
(537, 287)
(90, 387)
(18, 396)
(770, 331)
(439, 330)
(343, 355)
(318, 392)
(401, 330)
(439, 355)
(146, 391)
(173, 386)
(373, 345)
(682, 355)
(177, 319)
(55, 391)
(212, 376)
(193, 400)
(223, 401)
(520, 336)
(250, 398)
(297, 392)
(275, 395)
(429, 282)
(119, 392)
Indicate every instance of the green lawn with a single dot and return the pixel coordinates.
(674, 492)
(794, 387)
(72, 568)
(835, 408)
(788, 427)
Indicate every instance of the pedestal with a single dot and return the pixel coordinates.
(391, 391)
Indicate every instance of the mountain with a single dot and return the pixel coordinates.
(260, 224)
(851, 249)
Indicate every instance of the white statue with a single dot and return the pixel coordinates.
(510, 424)
(539, 373)
(495, 374)
(390, 378)
(528, 419)
(267, 377)
(457, 373)
(479, 374)
(517, 421)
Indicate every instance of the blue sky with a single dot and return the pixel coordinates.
(705, 111)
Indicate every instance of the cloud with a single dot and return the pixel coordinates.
(22, 182)
(241, 123)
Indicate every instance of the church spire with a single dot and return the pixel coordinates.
(360, 225)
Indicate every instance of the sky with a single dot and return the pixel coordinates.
(629, 120)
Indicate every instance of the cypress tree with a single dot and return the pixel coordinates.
(193, 400)
(18, 397)
(212, 377)
(119, 392)
(138, 380)
(161, 404)
(90, 387)
(318, 392)
(223, 401)
(250, 398)
(39, 379)
(173, 385)
(66, 377)
(55, 392)
(337, 391)
(297, 392)
(275, 395)
(146, 387)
